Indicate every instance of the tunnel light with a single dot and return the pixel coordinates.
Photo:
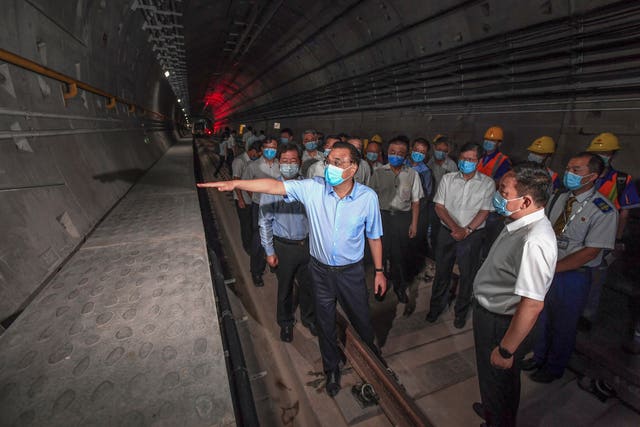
(167, 74)
(179, 100)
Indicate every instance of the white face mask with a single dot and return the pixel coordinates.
(537, 158)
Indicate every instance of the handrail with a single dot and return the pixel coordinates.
(74, 84)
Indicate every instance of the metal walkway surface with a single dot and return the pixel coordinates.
(127, 332)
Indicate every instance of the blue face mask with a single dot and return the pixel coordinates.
(311, 145)
(372, 157)
(289, 170)
(284, 140)
(573, 181)
(417, 157)
(489, 145)
(439, 155)
(333, 175)
(326, 152)
(500, 204)
(395, 161)
(269, 153)
(466, 166)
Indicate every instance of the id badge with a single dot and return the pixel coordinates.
(563, 242)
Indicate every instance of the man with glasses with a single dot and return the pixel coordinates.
(341, 213)
(463, 201)
(317, 168)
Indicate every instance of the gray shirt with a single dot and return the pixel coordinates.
(593, 223)
(521, 263)
(261, 169)
(238, 167)
(363, 175)
(396, 192)
(438, 171)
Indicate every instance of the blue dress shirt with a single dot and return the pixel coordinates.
(281, 219)
(425, 177)
(337, 226)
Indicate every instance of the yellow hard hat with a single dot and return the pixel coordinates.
(543, 145)
(604, 142)
(376, 138)
(494, 133)
(440, 137)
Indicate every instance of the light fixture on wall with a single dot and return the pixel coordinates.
(167, 73)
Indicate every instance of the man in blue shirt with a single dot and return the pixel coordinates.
(340, 213)
(284, 232)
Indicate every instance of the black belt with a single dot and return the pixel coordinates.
(334, 267)
(289, 241)
(392, 213)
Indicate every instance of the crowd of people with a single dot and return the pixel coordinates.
(531, 245)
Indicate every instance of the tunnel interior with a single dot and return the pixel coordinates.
(93, 92)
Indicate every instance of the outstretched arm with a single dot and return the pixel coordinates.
(264, 185)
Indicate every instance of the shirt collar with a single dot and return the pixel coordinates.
(584, 196)
(524, 221)
(356, 187)
(475, 177)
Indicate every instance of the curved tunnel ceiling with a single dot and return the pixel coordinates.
(257, 59)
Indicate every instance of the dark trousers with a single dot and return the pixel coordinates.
(499, 388)
(246, 227)
(395, 247)
(347, 286)
(258, 261)
(467, 252)
(293, 265)
(557, 325)
(434, 226)
(419, 245)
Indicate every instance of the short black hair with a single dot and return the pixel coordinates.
(472, 146)
(287, 130)
(343, 135)
(289, 146)
(269, 139)
(532, 179)
(595, 165)
(421, 140)
(255, 145)
(404, 138)
(398, 141)
(355, 154)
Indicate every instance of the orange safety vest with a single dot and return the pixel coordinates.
(609, 188)
(492, 165)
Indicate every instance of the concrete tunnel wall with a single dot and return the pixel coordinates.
(78, 159)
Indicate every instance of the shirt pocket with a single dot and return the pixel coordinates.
(355, 226)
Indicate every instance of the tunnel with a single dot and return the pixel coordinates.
(125, 293)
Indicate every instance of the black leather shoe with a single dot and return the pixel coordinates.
(402, 296)
(459, 322)
(313, 329)
(432, 316)
(257, 281)
(333, 382)
(543, 376)
(478, 408)
(530, 364)
(286, 333)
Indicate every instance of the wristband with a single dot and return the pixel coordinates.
(379, 270)
(506, 354)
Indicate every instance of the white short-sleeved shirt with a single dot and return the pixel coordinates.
(463, 199)
(438, 171)
(363, 174)
(396, 192)
(261, 169)
(316, 169)
(521, 263)
(594, 225)
(238, 167)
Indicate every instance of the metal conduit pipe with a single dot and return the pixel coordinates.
(560, 26)
(29, 65)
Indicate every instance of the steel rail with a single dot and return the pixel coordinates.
(394, 401)
(73, 83)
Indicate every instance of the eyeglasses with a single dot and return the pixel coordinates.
(337, 162)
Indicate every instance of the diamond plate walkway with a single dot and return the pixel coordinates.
(127, 332)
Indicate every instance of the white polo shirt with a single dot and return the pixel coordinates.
(463, 199)
(521, 263)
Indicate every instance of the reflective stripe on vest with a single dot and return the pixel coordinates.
(609, 189)
(491, 168)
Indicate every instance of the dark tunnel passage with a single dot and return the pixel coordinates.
(110, 111)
